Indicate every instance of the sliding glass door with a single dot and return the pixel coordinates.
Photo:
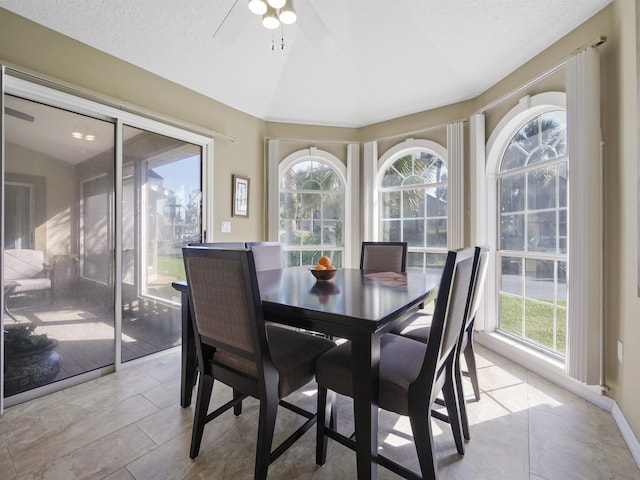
(58, 244)
(162, 211)
(97, 204)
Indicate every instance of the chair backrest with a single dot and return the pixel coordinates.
(22, 263)
(226, 307)
(267, 255)
(217, 244)
(450, 312)
(384, 256)
(482, 254)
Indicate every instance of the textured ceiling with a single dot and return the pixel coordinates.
(345, 63)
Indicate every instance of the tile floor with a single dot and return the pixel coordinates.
(129, 425)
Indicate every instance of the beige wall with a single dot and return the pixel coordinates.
(620, 130)
(34, 48)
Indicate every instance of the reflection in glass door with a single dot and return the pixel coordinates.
(65, 231)
(18, 219)
(162, 212)
(58, 250)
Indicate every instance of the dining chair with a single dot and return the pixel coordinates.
(411, 376)
(267, 255)
(236, 348)
(383, 256)
(216, 244)
(467, 347)
(418, 327)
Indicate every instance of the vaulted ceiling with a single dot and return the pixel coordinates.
(345, 62)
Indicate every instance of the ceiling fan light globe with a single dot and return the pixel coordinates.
(277, 3)
(270, 20)
(259, 7)
(287, 14)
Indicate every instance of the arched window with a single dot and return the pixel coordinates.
(312, 209)
(412, 199)
(531, 253)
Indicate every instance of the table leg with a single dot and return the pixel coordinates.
(189, 361)
(366, 359)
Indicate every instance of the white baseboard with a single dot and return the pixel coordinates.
(549, 369)
(627, 433)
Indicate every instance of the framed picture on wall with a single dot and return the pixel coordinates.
(240, 196)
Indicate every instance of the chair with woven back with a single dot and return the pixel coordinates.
(412, 373)
(267, 255)
(236, 348)
(383, 256)
(418, 327)
(216, 244)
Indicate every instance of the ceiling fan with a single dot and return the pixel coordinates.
(239, 17)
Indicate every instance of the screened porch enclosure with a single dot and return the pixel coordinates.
(60, 201)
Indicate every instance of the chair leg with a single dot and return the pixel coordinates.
(451, 402)
(470, 358)
(266, 426)
(326, 418)
(237, 408)
(423, 437)
(333, 400)
(462, 407)
(205, 388)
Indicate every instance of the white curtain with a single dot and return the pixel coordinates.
(455, 195)
(584, 342)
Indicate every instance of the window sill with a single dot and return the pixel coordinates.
(546, 366)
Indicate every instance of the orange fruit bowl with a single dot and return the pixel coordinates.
(323, 275)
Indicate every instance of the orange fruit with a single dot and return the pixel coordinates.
(324, 260)
(330, 267)
(320, 267)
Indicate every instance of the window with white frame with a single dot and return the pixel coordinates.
(531, 253)
(312, 210)
(412, 205)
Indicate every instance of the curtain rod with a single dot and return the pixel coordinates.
(595, 43)
(125, 107)
(348, 142)
(303, 140)
(414, 132)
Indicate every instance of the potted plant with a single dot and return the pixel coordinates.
(30, 359)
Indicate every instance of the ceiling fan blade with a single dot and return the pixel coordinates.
(18, 114)
(233, 24)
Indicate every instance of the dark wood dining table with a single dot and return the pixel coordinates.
(355, 305)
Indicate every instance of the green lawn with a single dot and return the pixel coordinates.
(171, 267)
(538, 318)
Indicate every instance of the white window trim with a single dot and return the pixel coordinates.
(376, 174)
(487, 199)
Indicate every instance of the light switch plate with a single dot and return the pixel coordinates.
(225, 227)
(620, 351)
